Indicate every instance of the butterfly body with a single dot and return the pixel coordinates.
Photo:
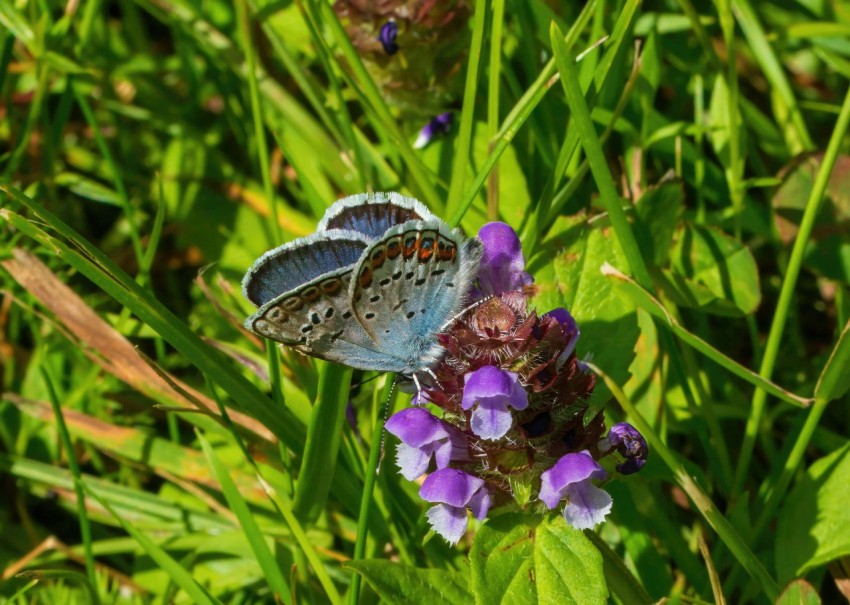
(371, 289)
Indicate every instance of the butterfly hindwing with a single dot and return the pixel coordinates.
(373, 213)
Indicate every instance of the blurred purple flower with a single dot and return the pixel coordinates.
(570, 478)
(424, 436)
(502, 268)
(629, 443)
(494, 390)
(441, 124)
(454, 491)
(387, 37)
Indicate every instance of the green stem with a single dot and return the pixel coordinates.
(786, 294)
(366, 500)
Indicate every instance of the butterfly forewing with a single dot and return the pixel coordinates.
(408, 284)
(292, 265)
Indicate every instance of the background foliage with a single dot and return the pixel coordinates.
(151, 149)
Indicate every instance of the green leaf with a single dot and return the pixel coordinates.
(712, 272)
(502, 561)
(656, 216)
(406, 585)
(568, 566)
(799, 592)
(828, 251)
(516, 559)
(834, 381)
(813, 522)
(568, 274)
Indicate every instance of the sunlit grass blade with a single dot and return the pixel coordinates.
(467, 114)
(175, 571)
(700, 499)
(73, 464)
(106, 275)
(275, 578)
(788, 290)
(654, 307)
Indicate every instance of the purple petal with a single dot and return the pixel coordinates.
(448, 521)
(387, 37)
(502, 266)
(479, 504)
(412, 461)
(450, 486)
(570, 469)
(629, 443)
(570, 328)
(439, 125)
(416, 426)
(587, 505)
(491, 422)
(494, 384)
(456, 447)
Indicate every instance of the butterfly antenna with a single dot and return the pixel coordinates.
(383, 424)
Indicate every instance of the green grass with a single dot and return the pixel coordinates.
(151, 150)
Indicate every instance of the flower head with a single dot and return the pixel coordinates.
(454, 491)
(515, 402)
(437, 126)
(493, 390)
(629, 443)
(502, 266)
(570, 478)
(423, 437)
(387, 37)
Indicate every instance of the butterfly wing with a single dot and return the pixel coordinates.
(302, 291)
(408, 284)
(373, 213)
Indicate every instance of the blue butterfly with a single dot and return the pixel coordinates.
(371, 289)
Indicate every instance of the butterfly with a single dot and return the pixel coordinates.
(372, 288)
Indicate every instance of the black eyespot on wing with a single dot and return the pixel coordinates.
(315, 318)
(329, 312)
(369, 316)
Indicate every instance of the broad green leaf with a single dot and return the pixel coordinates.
(516, 559)
(406, 585)
(798, 592)
(568, 275)
(657, 214)
(568, 568)
(834, 381)
(712, 272)
(813, 522)
(502, 561)
(828, 251)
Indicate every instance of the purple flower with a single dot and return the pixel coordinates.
(441, 124)
(570, 478)
(454, 491)
(493, 390)
(629, 443)
(502, 267)
(387, 37)
(570, 328)
(424, 436)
